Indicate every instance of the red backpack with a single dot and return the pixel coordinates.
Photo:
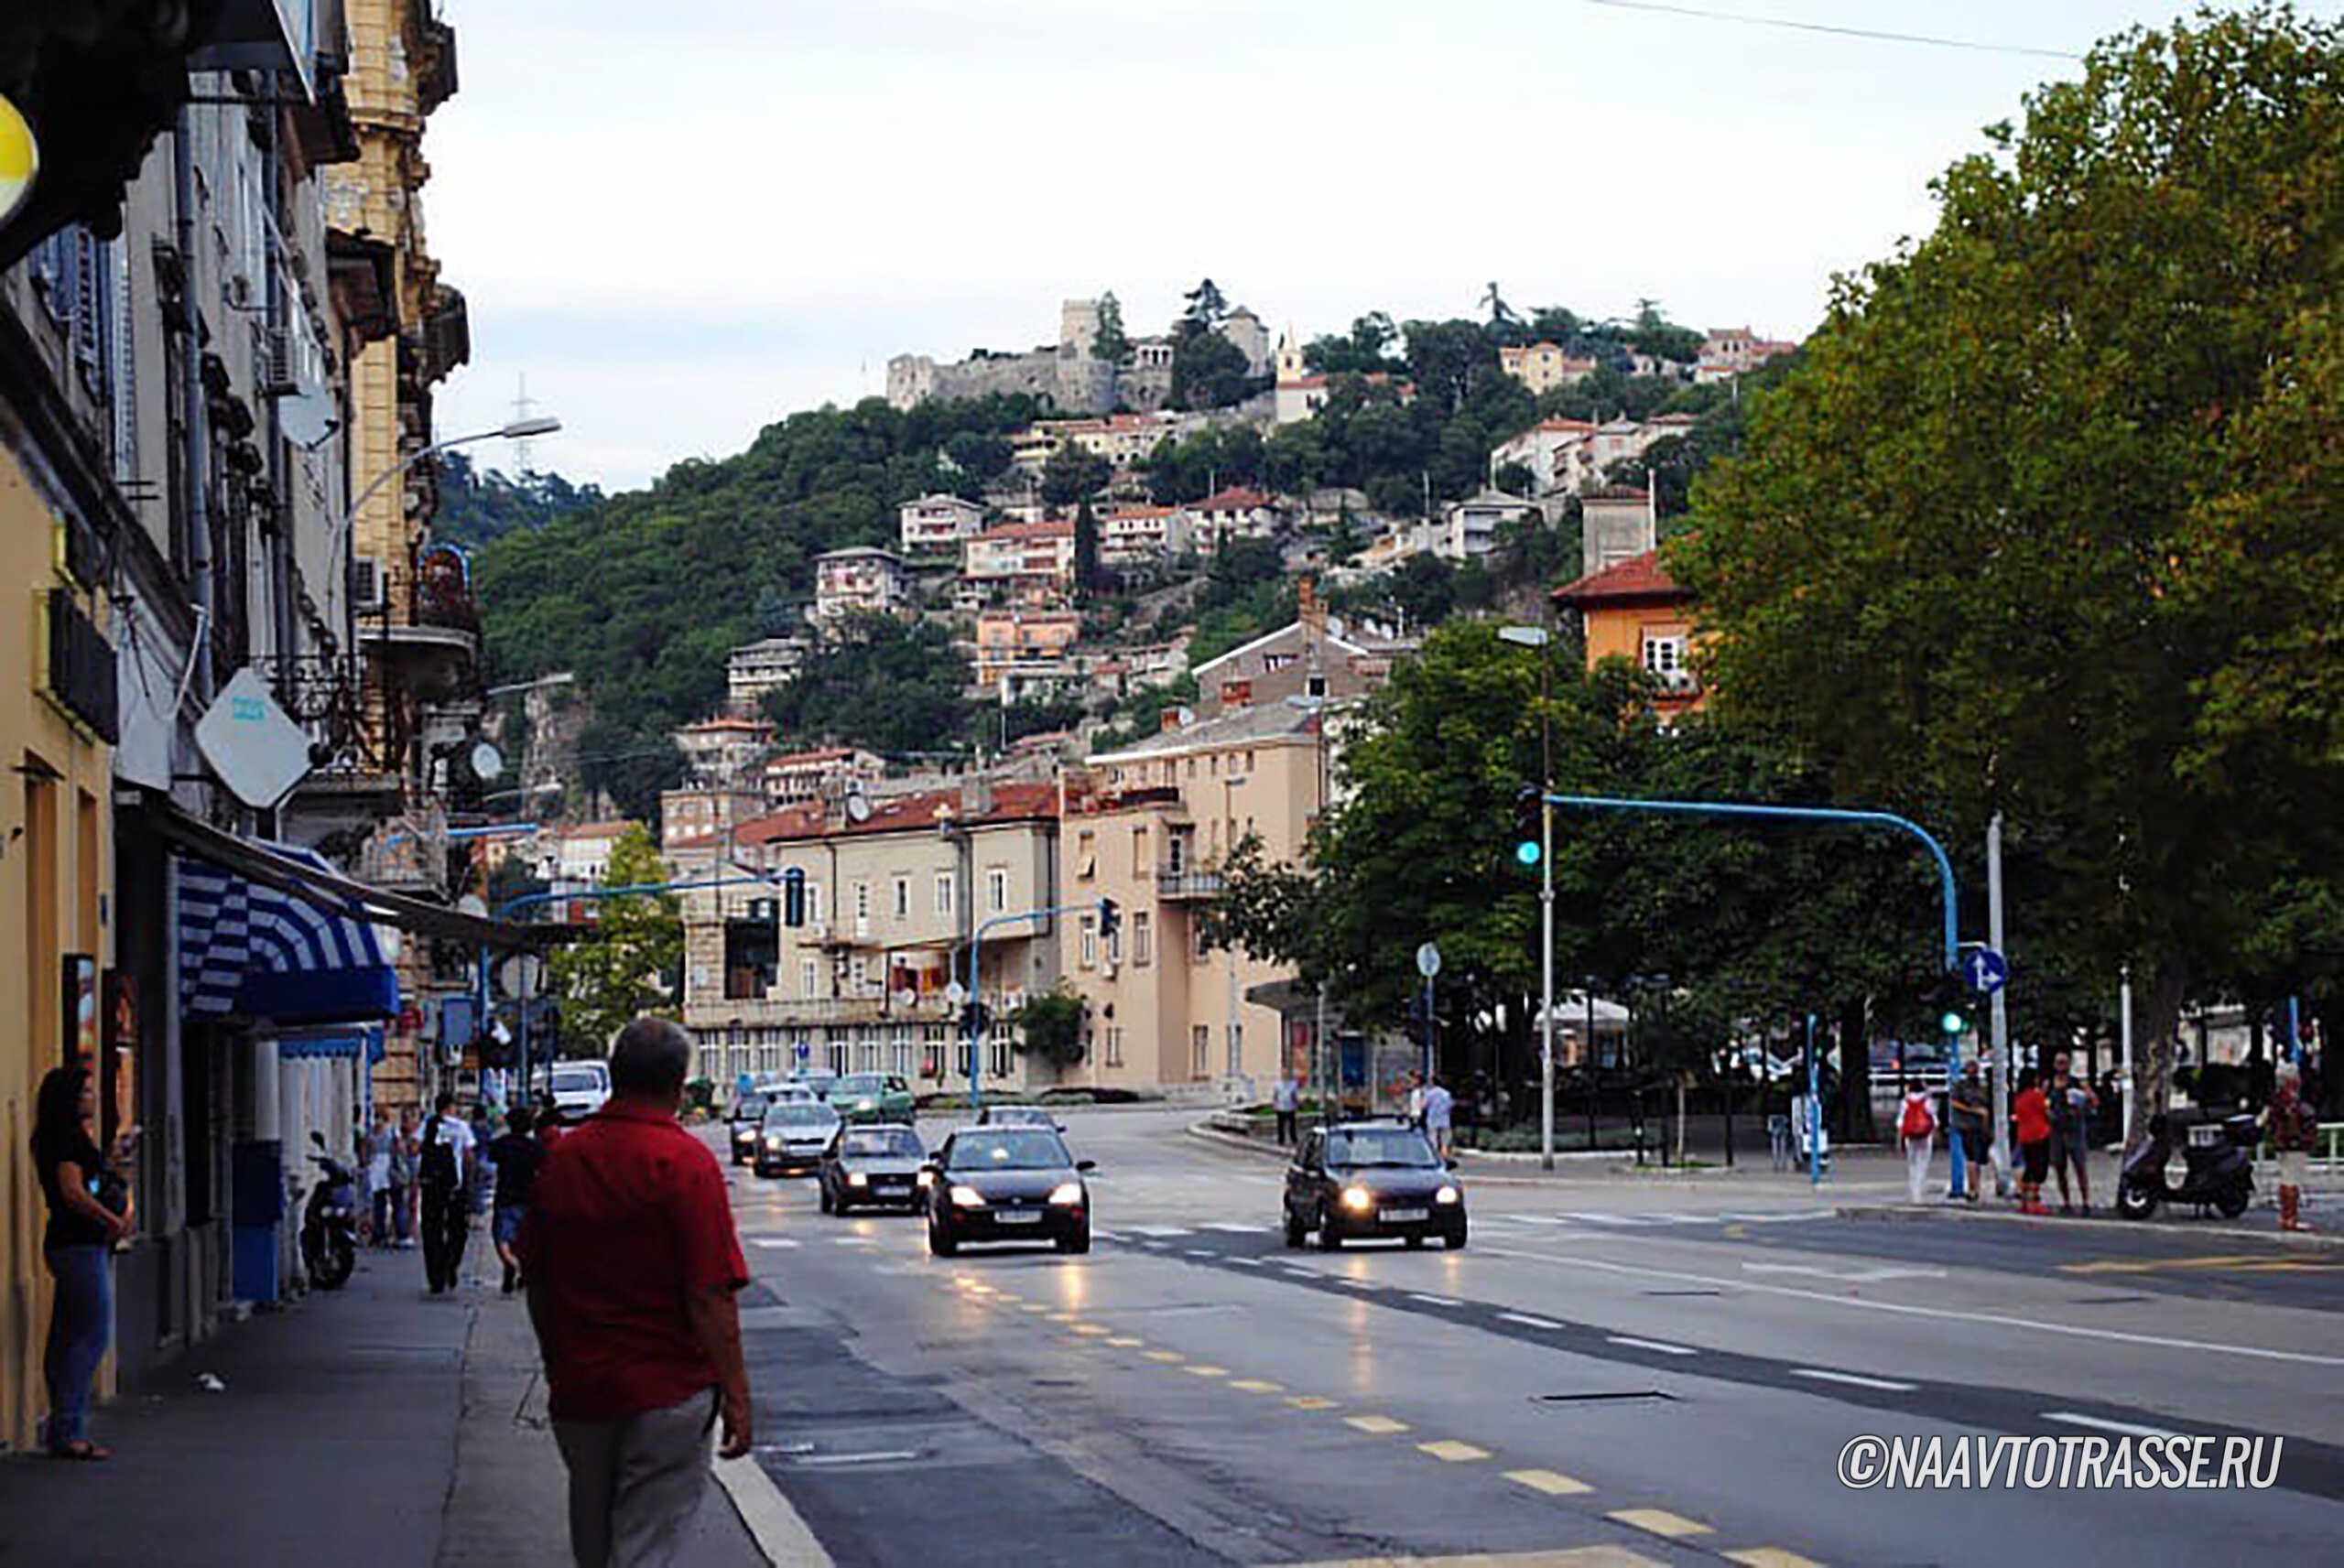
(1918, 1121)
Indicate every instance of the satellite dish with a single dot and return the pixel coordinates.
(858, 808)
(258, 752)
(488, 762)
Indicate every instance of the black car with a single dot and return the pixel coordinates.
(794, 1137)
(877, 1165)
(748, 1112)
(1362, 1179)
(1019, 1116)
(1007, 1183)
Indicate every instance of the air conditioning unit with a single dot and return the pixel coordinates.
(819, 930)
(273, 362)
(367, 589)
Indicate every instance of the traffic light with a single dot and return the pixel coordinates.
(1529, 826)
(1111, 919)
(793, 897)
(1950, 1000)
(976, 1018)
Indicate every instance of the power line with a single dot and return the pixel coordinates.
(1789, 24)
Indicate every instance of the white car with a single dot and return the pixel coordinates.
(579, 1088)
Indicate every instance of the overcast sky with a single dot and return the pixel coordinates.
(683, 221)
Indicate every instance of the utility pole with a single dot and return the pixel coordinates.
(1998, 1068)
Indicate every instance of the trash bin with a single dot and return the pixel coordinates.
(255, 1218)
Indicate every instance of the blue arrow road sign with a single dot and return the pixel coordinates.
(1987, 970)
(804, 1050)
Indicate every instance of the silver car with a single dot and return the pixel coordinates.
(794, 1137)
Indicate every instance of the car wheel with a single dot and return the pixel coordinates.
(1296, 1231)
(1417, 1243)
(2233, 1200)
(1078, 1242)
(1330, 1239)
(2135, 1200)
(1454, 1240)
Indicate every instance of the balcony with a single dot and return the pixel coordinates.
(1182, 883)
(409, 853)
(424, 623)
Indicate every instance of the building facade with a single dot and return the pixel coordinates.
(857, 581)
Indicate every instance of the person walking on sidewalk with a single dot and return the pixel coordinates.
(2292, 1128)
(2071, 1103)
(443, 1166)
(89, 1211)
(403, 1155)
(2031, 1122)
(633, 1266)
(1440, 1109)
(516, 1156)
(1917, 1128)
(1286, 1099)
(380, 1144)
(1972, 1111)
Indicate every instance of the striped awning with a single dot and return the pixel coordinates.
(249, 950)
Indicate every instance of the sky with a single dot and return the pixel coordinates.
(682, 221)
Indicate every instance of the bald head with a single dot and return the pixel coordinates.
(650, 1059)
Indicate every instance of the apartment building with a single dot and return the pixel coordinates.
(935, 524)
(860, 580)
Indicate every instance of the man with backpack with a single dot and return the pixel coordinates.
(444, 1157)
(1917, 1126)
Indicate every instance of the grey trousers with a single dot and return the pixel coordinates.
(635, 1484)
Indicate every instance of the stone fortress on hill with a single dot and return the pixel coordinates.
(1069, 374)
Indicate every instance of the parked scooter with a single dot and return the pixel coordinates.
(330, 1221)
(2217, 1165)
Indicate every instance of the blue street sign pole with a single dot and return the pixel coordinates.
(976, 945)
(1831, 814)
(1814, 1111)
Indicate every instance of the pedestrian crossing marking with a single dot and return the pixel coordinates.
(1380, 1425)
(1167, 1356)
(1448, 1451)
(775, 1242)
(1258, 1386)
(1125, 1342)
(1091, 1328)
(1553, 1483)
(1159, 1232)
(1770, 1557)
(1659, 1521)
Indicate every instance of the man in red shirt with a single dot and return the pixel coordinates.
(632, 1264)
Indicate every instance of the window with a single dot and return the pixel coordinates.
(931, 1051)
(1089, 942)
(834, 1052)
(862, 909)
(809, 978)
(1200, 1050)
(1001, 1059)
(1664, 656)
(1198, 948)
(867, 1051)
(903, 898)
(1140, 866)
(945, 883)
(858, 975)
(997, 890)
(1143, 939)
(816, 910)
(1086, 855)
(1314, 686)
(1114, 950)
(899, 1058)
(1114, 1048)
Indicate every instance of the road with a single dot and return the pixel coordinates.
(1614, 1370)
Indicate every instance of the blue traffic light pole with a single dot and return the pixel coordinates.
(971, 1013)
(1831, 814)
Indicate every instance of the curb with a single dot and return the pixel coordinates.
(1907, 1213)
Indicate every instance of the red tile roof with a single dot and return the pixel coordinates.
(1029, 531)
(1011, 802)
(1234, 498)
(1637, 578)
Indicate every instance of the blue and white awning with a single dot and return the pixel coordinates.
(249, 950)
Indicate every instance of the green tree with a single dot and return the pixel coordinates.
(1073, 474)
(632, 962)
(1964, 559)
(1050, 1026)
(1205, 306)
(1208, 369)
(1088, 576)
(1111, 344)
(892, 687)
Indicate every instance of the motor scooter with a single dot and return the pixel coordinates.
(330, 1221)
(2217, 1165)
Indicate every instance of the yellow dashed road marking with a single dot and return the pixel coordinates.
(1770, 1557)
(1659, 1521)
(1379, 1424)
(1451, 1451)
(1203, 1371)
(1553, 1483)
(1310, 1402)
(1161, 1355)
(1575, 1557)
(1125, 1342)
(1257, 1385)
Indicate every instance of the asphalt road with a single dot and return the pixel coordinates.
(1612, 1367)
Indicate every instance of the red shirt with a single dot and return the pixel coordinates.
(2032, 1114)
(629, 1220)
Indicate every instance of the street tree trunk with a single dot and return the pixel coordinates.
(1855, 1074)
(2153, 1037)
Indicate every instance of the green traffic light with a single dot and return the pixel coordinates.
(1527, 851)
(1953, 1022)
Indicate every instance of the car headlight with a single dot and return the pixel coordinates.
(867, 1105)
(1067, 1194)
(857, 1179)
(1445, 1195)
(968, 1197)
(775, 1142)
(1358, 1198)
(925, 1178)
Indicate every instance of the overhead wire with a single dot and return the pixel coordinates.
(1792, 23)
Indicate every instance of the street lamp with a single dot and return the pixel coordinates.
(346, 526)
(1538, 637)
(1316, 705)
(1236, 1058)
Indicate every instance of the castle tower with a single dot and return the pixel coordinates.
(1077, 327)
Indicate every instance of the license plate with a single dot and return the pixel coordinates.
(1400, 1216)
(1017, 1217)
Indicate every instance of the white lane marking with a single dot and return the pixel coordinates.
(772, 1241)
(779, 1533)
(1529, 1218)
(1434, 1301)
(1907, 1309)
(1159, 1230)
(879, 1456)
(2126, 1428)
(1099, 1235)
(1357, 1284)
(1527, 1321)
(1853, 1380)
(854, 1241)
(1201, 1252)
(1234, 1227)
(1777, 1217)
(1660, 1345)
(1249, 1262)
(1847, 1276)
(1628, 1219)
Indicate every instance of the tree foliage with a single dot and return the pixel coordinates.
(890, 686)
(1050, 1026)
(633, 961)
(2045, 524)
(478, 506)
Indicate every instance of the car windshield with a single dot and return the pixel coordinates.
(749, 1108)
(577, 1081)
(860, 1084)
(1011, 1149)
(795, 1115)
(883, 1142)
(1021, 1116)
(1379, 1146)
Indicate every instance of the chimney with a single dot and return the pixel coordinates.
(1309, 608)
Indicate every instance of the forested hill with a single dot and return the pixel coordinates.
(478, 506)
(643, 594)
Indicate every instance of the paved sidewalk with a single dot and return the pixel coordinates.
(369, 1426)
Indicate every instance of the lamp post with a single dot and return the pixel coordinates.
(346, 526)
(1329, 1076)
(1539, 638)
(1230, 1043)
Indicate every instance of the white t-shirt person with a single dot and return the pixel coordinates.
(1438, 1102)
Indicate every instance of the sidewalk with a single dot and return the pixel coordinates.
(366, 1426)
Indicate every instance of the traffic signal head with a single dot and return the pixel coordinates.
(1952, 1022)
(1111, 918)
(1529, 826)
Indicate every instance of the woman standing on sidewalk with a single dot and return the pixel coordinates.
(1916, 1125)
(2031, 1120)
(89, 1211)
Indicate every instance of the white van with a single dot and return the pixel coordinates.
(579, 1088)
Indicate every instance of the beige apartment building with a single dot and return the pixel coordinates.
(894, 889)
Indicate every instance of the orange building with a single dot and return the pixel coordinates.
(1634, 610)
